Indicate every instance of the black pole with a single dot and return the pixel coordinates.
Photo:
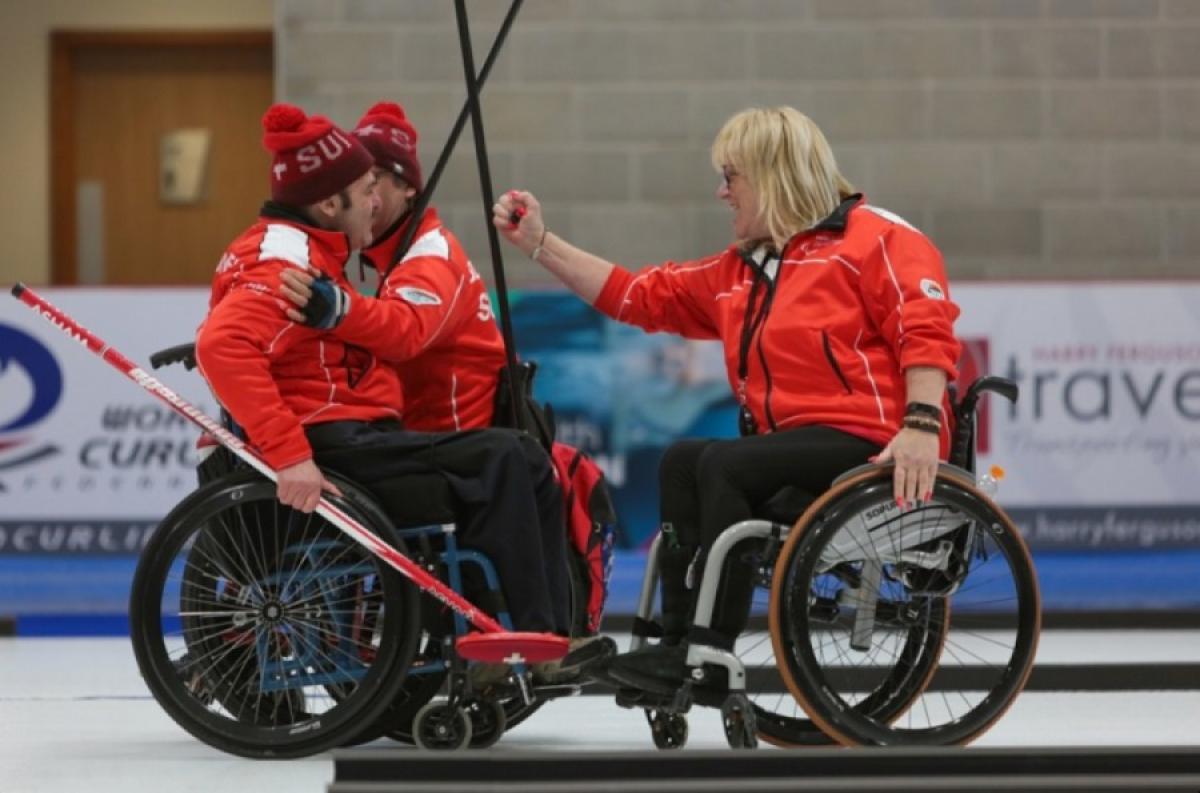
(430, 183)
(485, 184)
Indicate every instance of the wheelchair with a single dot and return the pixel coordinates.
(266, 632)
(883, 626)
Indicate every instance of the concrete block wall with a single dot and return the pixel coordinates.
(1032, 139)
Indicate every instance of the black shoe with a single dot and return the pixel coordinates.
(658, 668)
(586, 653)
(483, 676)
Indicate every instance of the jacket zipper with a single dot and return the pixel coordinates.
(762, 355)
(746, 423)
(833, 361)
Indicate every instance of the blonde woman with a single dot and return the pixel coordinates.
(838, 332)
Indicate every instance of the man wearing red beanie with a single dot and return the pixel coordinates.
(433, 318)
(304, 396)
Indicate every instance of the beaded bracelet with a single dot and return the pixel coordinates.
(922, 424)
(923, 419)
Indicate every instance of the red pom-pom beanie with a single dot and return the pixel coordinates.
(313, 159)
(392, 140)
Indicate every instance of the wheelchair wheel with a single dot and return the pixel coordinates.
(267, 632)
(858, 583)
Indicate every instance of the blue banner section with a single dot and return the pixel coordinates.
(1109, 528)
(74, 537)
(56, 596)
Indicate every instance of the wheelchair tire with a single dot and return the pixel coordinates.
(266, 632)
(956, 568)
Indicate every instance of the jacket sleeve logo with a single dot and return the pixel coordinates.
(932, 289)
(418, 297)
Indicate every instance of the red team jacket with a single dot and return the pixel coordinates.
(856, 301)
(433, 320)
(273, 375)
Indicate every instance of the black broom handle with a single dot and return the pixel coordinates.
(485, 183)
(427, 193)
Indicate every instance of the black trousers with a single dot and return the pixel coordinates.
(707, 485)
(506, 502)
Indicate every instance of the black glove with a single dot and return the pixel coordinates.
(328, 305)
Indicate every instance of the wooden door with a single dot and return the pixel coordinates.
(125, 93)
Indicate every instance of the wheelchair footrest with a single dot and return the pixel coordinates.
(557, 691)
(637, 698)
(669, 700)
(511, 647)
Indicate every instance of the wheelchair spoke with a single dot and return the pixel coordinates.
(980, 636)
(309, 520)
(764, 639)
(226, 690)
(224, 574)
(223, 614)
(211, 658)
(332, 664)
(324, 631)
(254, 537)
(248, 574)
(954, 648)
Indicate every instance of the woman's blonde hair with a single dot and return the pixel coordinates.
(786, 158)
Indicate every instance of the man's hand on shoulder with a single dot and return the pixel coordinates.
(320, 303)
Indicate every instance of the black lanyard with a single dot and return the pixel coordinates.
(751, 323)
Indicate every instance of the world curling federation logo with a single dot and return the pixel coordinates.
(31, 385)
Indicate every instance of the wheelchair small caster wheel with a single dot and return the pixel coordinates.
(439, 726)
(487, 721)
(669, 730)
(737, 716)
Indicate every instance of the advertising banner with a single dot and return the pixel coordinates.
(88, 461)
(1100, 452)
